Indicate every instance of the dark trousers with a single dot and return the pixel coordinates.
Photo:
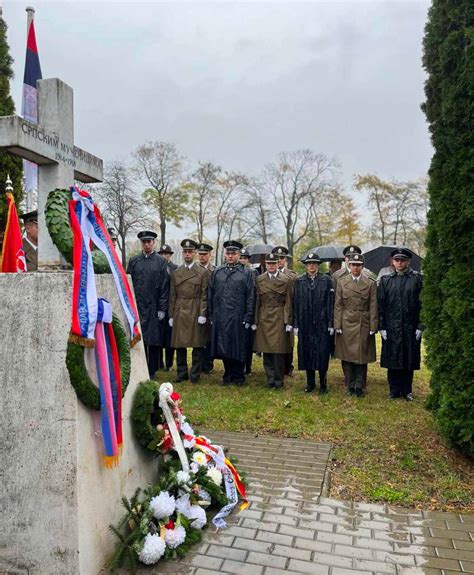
(311, 379)
(169, 357)
(233, 371)
(182, 363)
(207, 361)
(250, 335)
(347, 370)
(152, 353)
(289, 367)
(356, 374)
(400, 382)
(274, 365)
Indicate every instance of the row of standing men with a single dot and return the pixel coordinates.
(231, 311)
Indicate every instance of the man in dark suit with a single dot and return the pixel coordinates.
(30, 240)
(167, 252)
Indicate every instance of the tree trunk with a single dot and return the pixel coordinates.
(162, 231)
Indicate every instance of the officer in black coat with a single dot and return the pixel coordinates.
(245, 261)
(150, 279)
(167, 252)
(231, 308)
(399, 303)
(313, 305)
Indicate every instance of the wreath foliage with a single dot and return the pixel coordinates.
(57, 219)
(144, 408)
(86, 390)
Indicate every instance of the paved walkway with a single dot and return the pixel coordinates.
(290, 529)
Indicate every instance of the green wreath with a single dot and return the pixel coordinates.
(56, 214)
(86, 390)
(146, 414)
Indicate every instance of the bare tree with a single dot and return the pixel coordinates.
(160, 167)
(256, 212)
(121, 205)
(379, 199)
(202, 191)
(295, 181)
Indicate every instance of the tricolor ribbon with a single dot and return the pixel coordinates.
(88, 227)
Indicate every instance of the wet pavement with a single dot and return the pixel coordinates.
(290, 529)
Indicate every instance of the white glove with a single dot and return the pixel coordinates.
(418, 333)
(245, 324)
(161, 315)
(331, 331)
(254, 327)
(170, 322)
(202, 319)
(289, 328)
(371, 332)
(339, 331)
(383, 333)
(296, 330)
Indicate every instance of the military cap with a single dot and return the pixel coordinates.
(356, 258)
(30, 217)
(271, 258)
(280, 251)
(401, 253)
(348, 250)
(312, 257)
(146, 235)
(244, 253)
(112, 233)
(166, 249)
(233, 246)
(189, 244)
(204, 248)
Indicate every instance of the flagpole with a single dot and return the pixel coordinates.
(27, 167)
(30, 11)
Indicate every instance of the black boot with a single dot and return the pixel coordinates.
(323, 384)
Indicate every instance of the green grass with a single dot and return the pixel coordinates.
(383, 451)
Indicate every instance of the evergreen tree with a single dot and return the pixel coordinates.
(9, 164)
(448, 297)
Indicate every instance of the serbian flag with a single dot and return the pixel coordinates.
(13, 256)
(29, 107)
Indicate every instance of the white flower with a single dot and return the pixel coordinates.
(182, 477)
(194, 467)
(199, 515)
(215, 475)
(183, 505)
(163, 505)
(174, 537)
(153, 549)
(200, 458)
(204, 495)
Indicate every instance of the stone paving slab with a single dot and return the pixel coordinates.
(290, 529)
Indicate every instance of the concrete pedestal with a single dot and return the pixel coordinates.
(56, 497)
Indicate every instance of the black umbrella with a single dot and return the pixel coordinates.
(326, 253)
(379, 258)
(258, 250)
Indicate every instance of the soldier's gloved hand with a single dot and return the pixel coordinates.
(331, 331)
(254, 327)
(383, 333)
(339, 331)
(289, 328)
(170, 322)
(161, 315)
(296, 330)
(202, 319)
(418, 333)
(371, 332)
(245, 324)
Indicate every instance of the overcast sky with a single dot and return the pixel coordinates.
(235, 83)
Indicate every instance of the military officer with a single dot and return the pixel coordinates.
(231, 304)
(30, 240)
(400, 326)
(273, 320)
(150, 279)
(167, 252)
(245, 261)
(283, 254)
(344, 269)
(188, 312)
(313, 322)
(204, 255)
(355, 322)
(113, 236)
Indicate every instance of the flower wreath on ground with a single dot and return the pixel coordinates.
(165, 519)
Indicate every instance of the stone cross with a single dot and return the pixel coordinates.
(50, 144)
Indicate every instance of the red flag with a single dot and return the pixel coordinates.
(13, 256)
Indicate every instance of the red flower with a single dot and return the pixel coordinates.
(175, 396)
(170, 524)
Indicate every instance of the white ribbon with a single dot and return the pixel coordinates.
(166, 389)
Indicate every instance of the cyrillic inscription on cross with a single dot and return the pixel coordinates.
(50, 144)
